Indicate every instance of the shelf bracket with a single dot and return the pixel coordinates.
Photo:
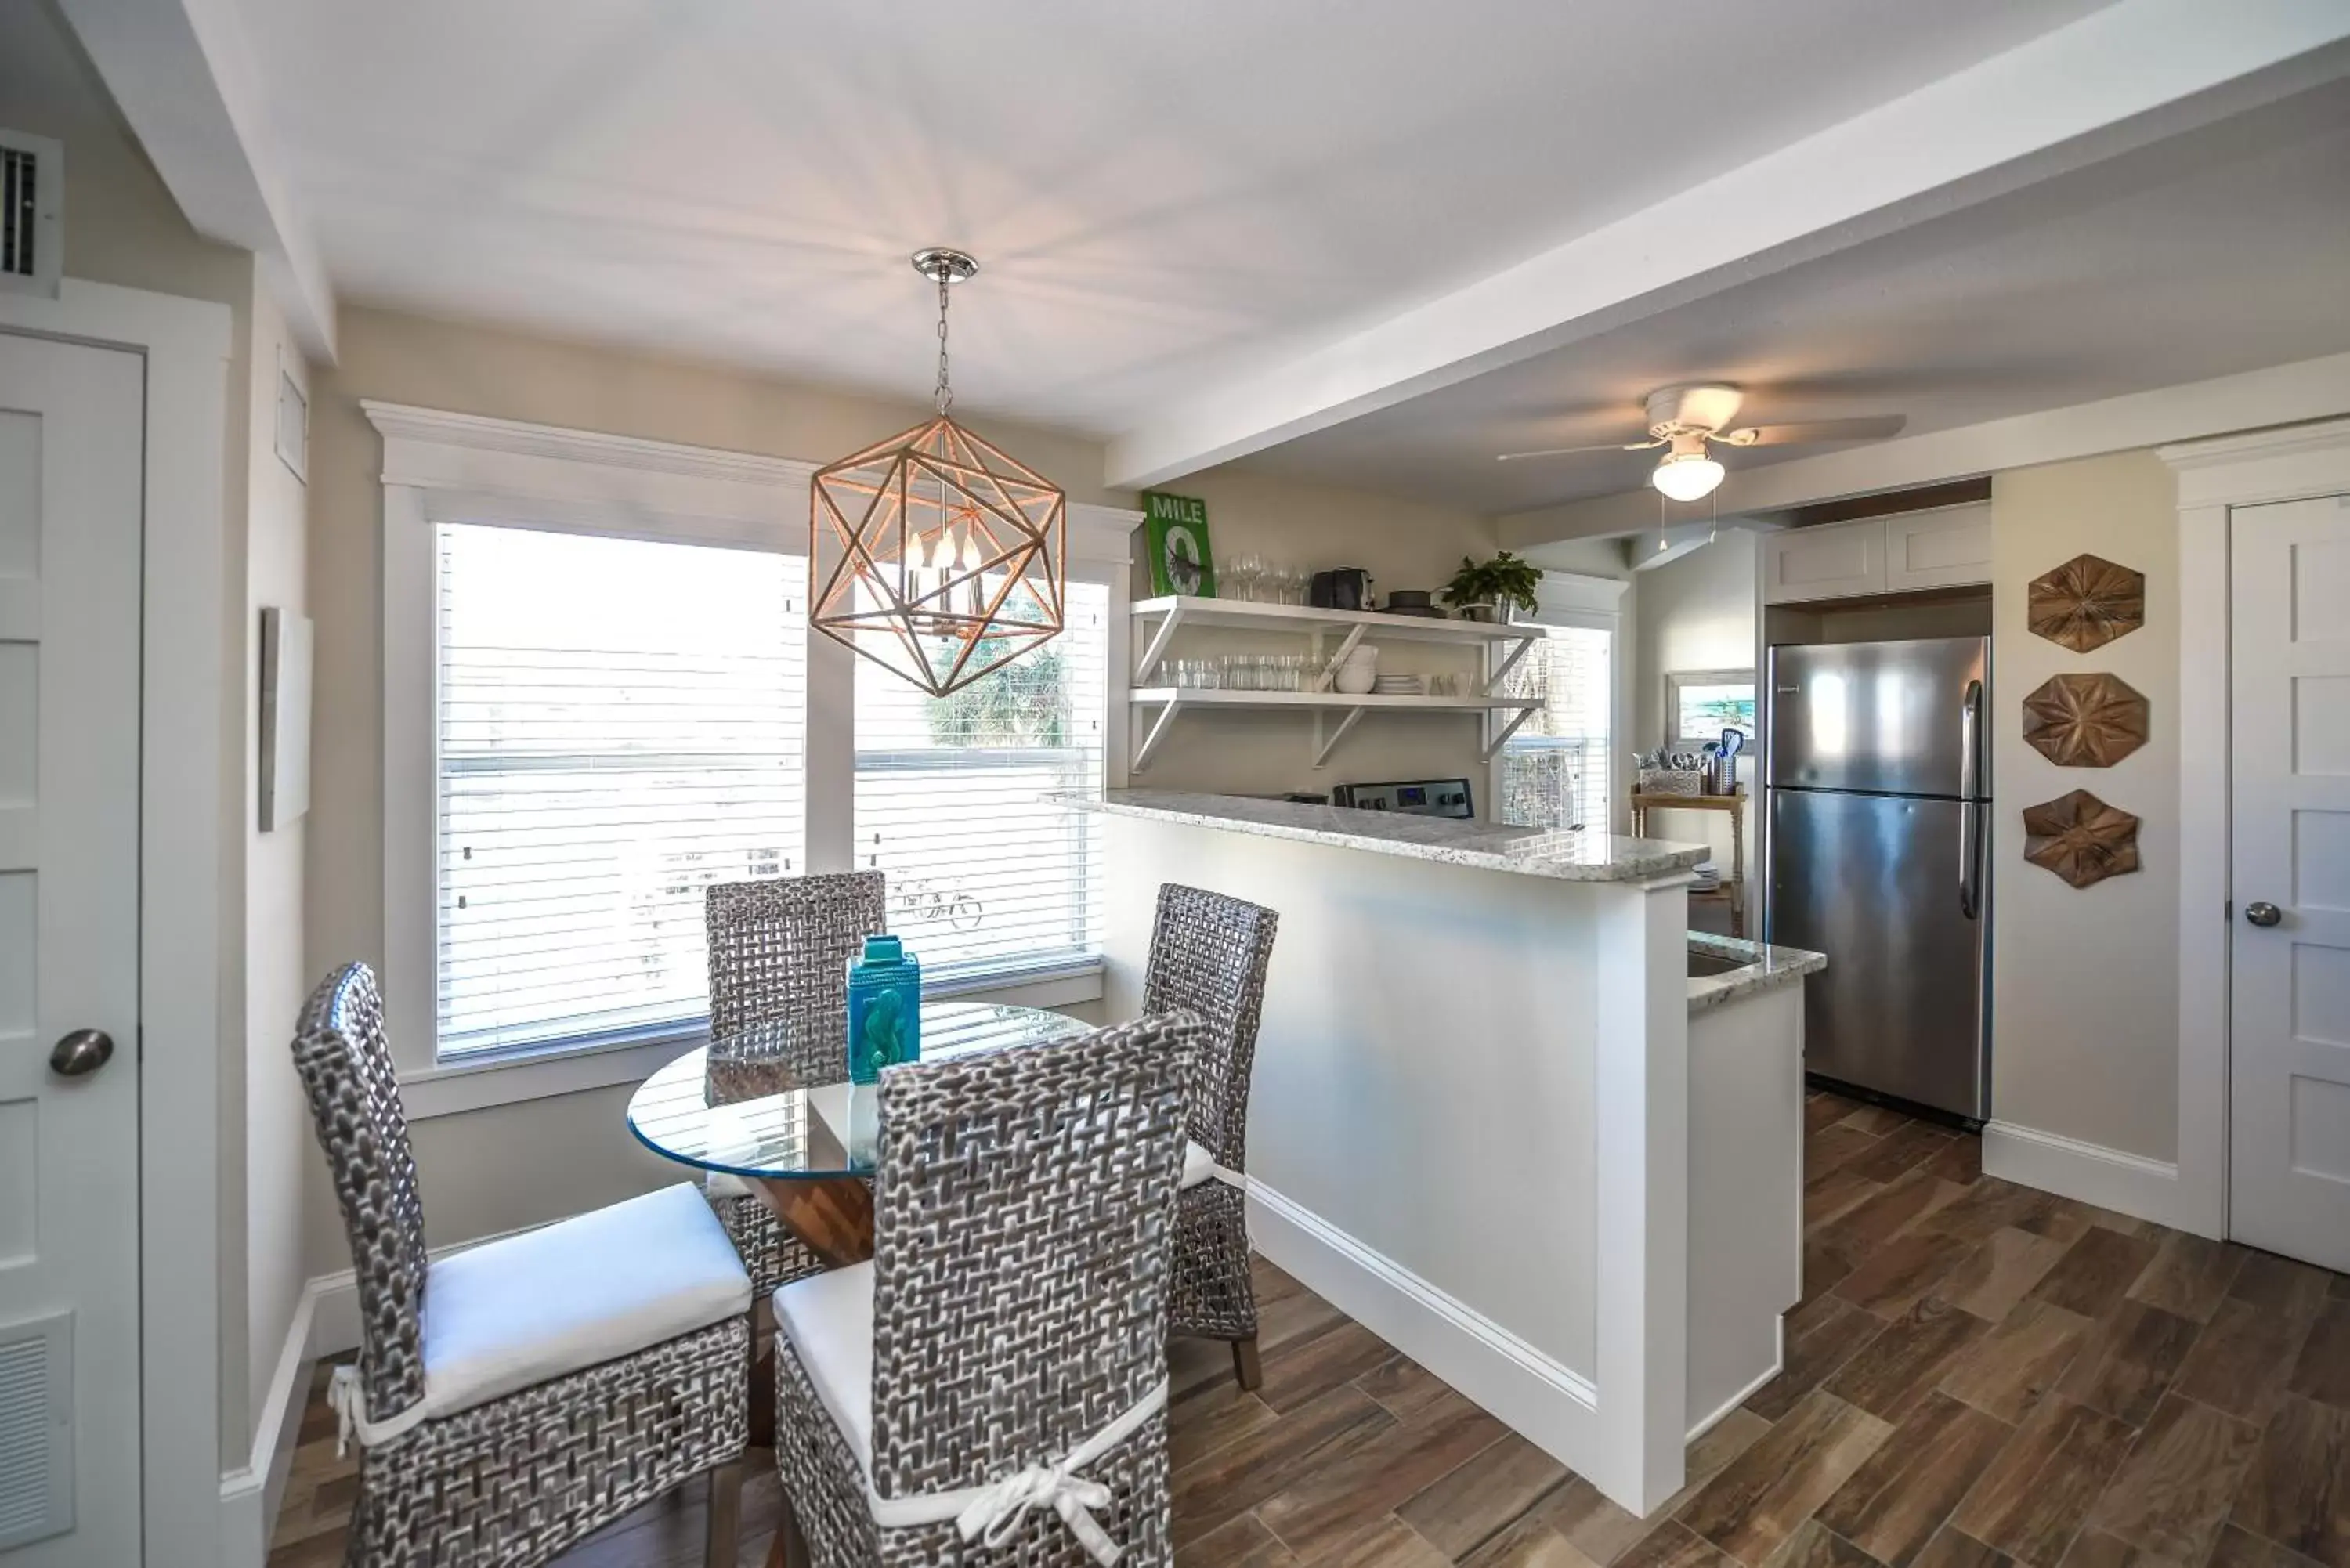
(1156, 648)
(1330, 673)
(1326, 740)
(1143, 752)
(1500, 671)
(1494, 748)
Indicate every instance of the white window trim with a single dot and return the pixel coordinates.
(445, 467)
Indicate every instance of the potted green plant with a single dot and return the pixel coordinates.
(1489, 590)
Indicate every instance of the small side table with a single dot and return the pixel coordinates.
(1733, 886)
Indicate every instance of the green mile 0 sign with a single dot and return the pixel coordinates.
(1176, 527)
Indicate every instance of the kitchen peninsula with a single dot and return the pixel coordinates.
(1507, 1112)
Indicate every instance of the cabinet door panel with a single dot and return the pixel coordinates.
(1832, 562)
(1939, 549)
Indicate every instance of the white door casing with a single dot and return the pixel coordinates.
(70, 508)
(2289, 1008)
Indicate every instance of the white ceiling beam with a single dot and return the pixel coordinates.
(2120, 78)
(184, 79)
(2282, 395)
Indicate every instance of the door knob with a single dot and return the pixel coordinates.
(81, 1053)
(2263, 914)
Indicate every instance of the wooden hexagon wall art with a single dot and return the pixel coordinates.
(2081, 838)
(2085, 720)
(2086, 603)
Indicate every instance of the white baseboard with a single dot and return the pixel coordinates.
(1548, 1403)
(2090, 1173)
(250, 1494)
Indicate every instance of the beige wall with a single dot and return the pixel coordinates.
(279, 1149)
(1693, 613)
(1403, 544)
(2086, 993)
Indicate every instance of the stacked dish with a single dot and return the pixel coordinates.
(1400, 686)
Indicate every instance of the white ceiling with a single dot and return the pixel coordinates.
(1164, 197)
(2220, 251)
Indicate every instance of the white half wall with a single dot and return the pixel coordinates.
(1439, 1126)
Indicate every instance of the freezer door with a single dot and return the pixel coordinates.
(1886, 716)
(1883, 886)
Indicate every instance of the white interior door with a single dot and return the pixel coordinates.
(70, 450)
(2289, 1059)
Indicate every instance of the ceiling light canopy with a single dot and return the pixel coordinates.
(1687, 473)
(935, 554)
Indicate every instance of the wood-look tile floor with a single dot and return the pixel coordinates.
(1980, 1376)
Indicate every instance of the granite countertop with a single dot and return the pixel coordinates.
(1766, 968)
(1481, 845)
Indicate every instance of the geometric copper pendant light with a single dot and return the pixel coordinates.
(935, 554)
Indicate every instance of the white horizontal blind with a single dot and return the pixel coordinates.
(621, 722)
(986, 874)
(1555, 769)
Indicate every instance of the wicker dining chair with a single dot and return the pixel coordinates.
(779, 947)
(1209, 954)
(1010, 1332)
(559, 1380)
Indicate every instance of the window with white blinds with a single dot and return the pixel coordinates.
(1555, 769)
(621, 722)
(988, 876)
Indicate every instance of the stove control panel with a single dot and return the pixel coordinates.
(1417, 797)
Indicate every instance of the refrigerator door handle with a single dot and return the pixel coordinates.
(1971, 831)
(1970, 857)
(1970, 742)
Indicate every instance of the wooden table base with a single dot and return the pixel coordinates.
(833, 1215)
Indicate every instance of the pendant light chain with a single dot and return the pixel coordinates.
(943, 393)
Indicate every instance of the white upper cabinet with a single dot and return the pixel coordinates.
(1834, 561)
(1947, 548)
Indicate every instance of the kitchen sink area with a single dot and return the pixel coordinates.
(1701, 962)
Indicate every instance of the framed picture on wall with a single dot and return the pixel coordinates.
(1176, 529)
(1700, 703)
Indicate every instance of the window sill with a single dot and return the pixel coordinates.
(453, 1088)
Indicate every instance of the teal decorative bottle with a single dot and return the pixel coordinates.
(885, 1009)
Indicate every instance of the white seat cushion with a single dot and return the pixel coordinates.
(828, 1318)
(718, 1184)
(1198, 1165)
(575, 1294)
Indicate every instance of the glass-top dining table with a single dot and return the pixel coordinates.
(773, 1107)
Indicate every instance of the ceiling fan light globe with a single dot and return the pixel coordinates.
(1687, 476)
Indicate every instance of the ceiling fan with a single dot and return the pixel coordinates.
(1685, 418)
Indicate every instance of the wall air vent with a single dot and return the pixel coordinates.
(32, 201)
(37, 1436)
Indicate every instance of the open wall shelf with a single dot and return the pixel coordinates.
(1334, 635)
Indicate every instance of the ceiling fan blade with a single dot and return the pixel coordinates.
(1875, 427)
(1571, 451)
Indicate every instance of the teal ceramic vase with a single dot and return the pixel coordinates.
(885, 1009)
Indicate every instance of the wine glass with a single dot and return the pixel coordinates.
(1245, 572)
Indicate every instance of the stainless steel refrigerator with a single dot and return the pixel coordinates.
(1878, 800)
